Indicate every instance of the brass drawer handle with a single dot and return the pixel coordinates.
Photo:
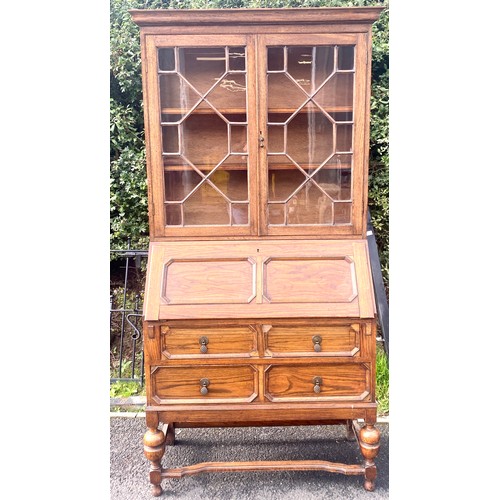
(317, 343)
(317, 381)
(203, 344)
(204, 382)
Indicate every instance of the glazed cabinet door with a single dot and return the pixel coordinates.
(201, 122)
(312, 124)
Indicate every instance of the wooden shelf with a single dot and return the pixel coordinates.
(239, 166)
(242, 111)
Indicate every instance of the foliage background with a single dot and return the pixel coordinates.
(128, 191)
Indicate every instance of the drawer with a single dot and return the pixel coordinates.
(208, 342)
(204, 384)
(317, 382)
(312, 340)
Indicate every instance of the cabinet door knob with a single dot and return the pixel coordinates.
(317, 381)
(261, 140)
(203, 344)
(317, 343)
(204, 382)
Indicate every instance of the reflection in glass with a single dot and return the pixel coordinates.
(276, 214)
(236, 58)
(309, 205)
(206, 206)
(275, 59)
(344, 138)
(180, 182)
(345, 57)
(342, 213)
(276, 139)
(166, 59)
(284, 182)
(310, 66)
(170, 139)
(234, 182)
(173, 214)
(238, 142)
(202, 66)
(239, 214)
(176, 96)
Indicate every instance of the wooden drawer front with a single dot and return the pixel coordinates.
(185, 343)
(316, 340)
(343, 381)
(183, 384)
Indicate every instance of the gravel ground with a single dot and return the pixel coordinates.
(129, 468)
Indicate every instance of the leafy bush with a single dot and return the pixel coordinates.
(128, 171)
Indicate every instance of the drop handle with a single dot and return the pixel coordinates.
(261, 140)
(204, 382)
(203, 344)
(317, 381)
(317, 343)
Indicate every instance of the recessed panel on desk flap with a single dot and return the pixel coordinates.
(209, 281)
(313, 280)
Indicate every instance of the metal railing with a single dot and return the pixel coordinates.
(125, 306)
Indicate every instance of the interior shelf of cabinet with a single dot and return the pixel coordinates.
(241, 166)
(240, 111)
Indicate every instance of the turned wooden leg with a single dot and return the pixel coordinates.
(369, 442)
(169, 430)
(350, 436)
(154, 447)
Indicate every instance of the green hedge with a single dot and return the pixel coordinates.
(128, 172)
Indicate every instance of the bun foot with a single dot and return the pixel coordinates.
(156, 490)
(369, 485)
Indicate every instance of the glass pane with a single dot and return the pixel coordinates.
(345, 57)
(310, 138)
(238, 139)
(284, 96)
(310, 66)
(276, 214)
(180, 181)
(275, 59)
(337, 93)
(309, 206)
(176, 96)
(239, 213)
(166, 59)
(344, 138)
(173, 215)
(283, 181)
(204, 140)
(276, 139)
(206, 207)
(231, 178)
(342, 213)
(229, 96)
(170, 139)
(334, 177)
(202, 66)
(237, 59)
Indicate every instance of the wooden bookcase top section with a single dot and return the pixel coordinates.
(319, 15)
(258, 279)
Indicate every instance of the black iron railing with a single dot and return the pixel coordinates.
(128, 269)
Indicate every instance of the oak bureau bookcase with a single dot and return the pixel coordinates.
(259, 305)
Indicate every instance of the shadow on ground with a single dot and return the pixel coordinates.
(129, 468)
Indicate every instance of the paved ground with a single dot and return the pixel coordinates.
(129, 468)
